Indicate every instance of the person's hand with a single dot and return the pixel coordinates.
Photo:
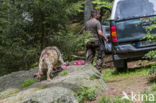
(106, 39)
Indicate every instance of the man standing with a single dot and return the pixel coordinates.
(94, 27)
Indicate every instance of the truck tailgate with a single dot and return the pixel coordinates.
(134, 29)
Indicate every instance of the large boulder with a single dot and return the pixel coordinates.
(61, 89)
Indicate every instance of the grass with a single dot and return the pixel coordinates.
(44, 87)
(150, 99)
(152, 74)
(119, 100)
(105, 100)
(40, 88)
(43, 78)
(94, 77)
(28, 82)
(153, 88)
(149, 92)
(113, 100)
(85, 94)
(111, 74)
(63, 73)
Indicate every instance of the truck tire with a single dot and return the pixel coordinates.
(120, 65)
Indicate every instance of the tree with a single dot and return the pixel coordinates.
(88, 7)
(28, 26)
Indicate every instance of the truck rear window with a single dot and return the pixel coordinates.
(135, 8)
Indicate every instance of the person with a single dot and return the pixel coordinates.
(94, 46)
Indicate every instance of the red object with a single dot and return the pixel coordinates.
(41, 74)
(79, 62)
(45, 55)
(64, 66)
(35, 75)
(114, 34)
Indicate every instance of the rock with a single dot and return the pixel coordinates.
(15, 79)
(61, 89)
(53, 94)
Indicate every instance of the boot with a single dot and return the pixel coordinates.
(99, 65)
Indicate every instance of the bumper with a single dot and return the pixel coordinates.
(130, 48)
(130, 52)
(129, 56)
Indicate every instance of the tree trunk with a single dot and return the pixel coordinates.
(88, 8)
(43, 41)
(43, 36)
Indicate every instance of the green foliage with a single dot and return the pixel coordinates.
(43, 78)
(119, 100)
(152, 74)
(153, 88)
(150, 37)
(63, 73)
(103, 3)
(113, 100)
(109, 74)
(151, 55)
(28, 82)
(86, 94)
(105, 100)
(149, 29)
(3, 16)
(70, 43)
(147, 101)
(26, 27)
(152, 70)
(94, 77)
(44, 87)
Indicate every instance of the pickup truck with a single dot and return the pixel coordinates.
(129, 20)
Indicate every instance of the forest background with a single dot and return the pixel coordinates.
(27, 27)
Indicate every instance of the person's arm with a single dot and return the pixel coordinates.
(99, 31)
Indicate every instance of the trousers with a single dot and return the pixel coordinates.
(92, 48)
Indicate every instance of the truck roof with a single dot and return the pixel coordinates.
(123, 9)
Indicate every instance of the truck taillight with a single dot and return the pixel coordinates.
(113, 34)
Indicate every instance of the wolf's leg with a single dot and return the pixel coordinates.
(40, 68)
(61, 59)
(50, 68)
(60, 55)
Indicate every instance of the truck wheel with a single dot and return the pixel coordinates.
(120, 65)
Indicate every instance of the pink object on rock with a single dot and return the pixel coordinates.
(35, 75)
(41, 74)
(64, 66)
(79, 62)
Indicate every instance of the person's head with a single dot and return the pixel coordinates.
(95, 14)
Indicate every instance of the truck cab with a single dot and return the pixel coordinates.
(128, 30)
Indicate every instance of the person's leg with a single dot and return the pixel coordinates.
(90, 55)
(90, 52)
(99, 61)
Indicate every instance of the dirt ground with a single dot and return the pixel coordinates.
(134, 64)
(135, 83)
